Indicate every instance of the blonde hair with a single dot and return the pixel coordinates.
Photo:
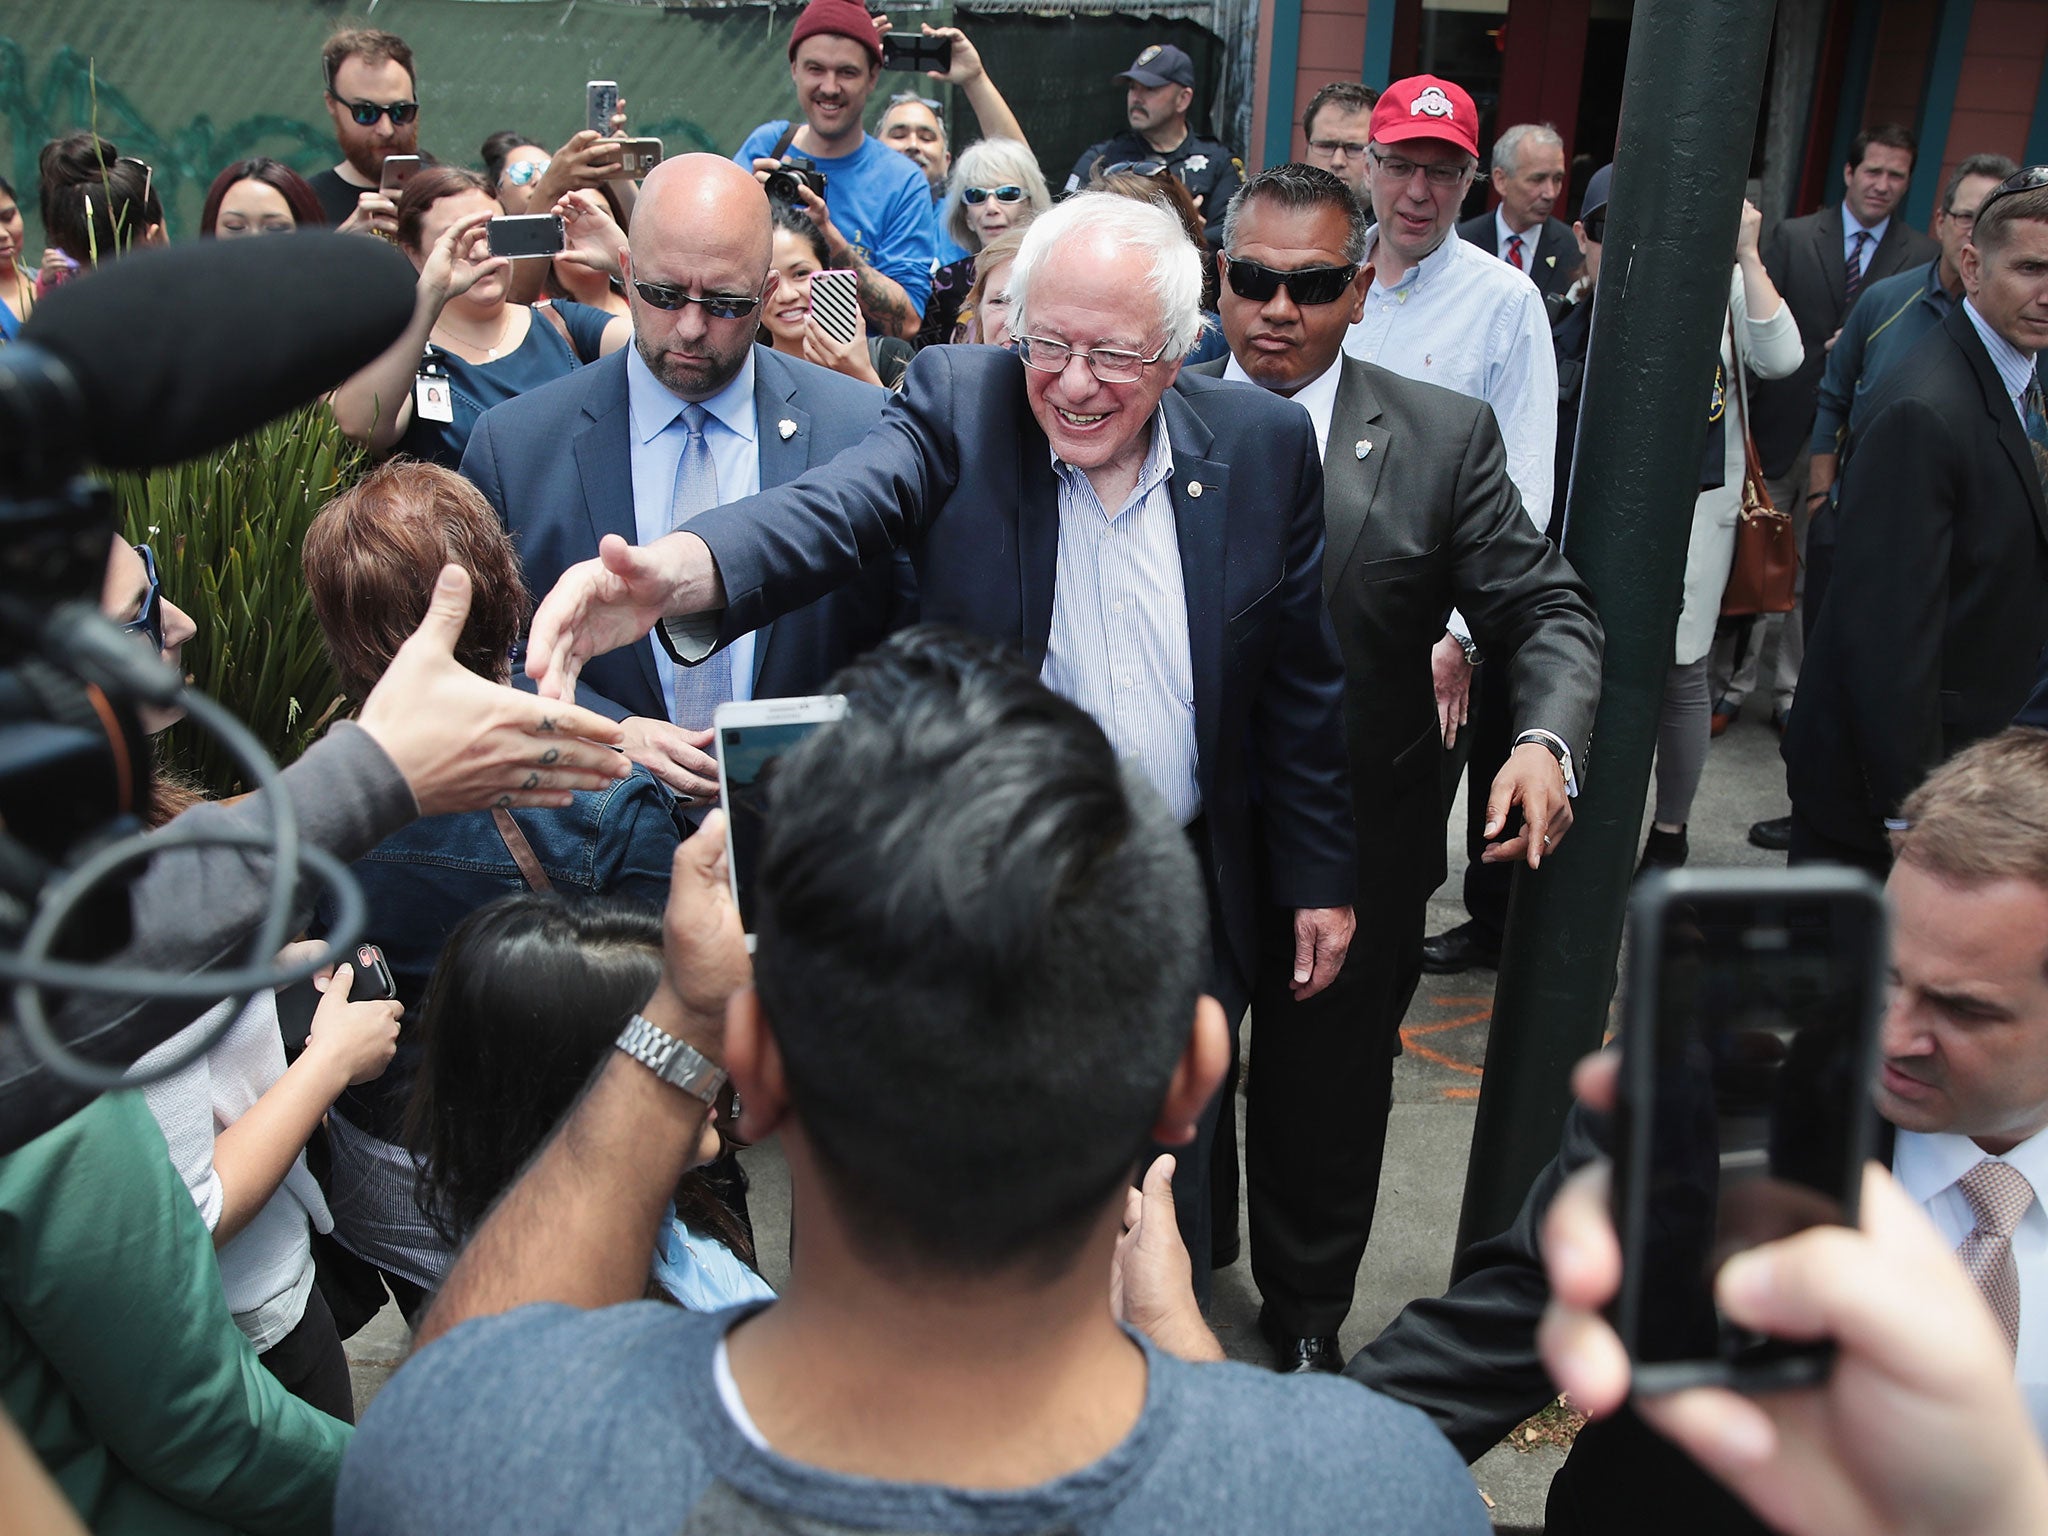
(1982, 816)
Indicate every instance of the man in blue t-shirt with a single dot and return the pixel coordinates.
(876, 213)
(976, 997)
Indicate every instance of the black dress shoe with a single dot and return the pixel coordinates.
(1775, 834)
(1467, 947)
(1302, 1357)
(1664, 850)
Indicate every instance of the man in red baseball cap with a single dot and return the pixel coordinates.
(871, 204)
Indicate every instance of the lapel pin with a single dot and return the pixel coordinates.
(1362, 447)
(787, 428)
(1550, 261)
(1195, 488)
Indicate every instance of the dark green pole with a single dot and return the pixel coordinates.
(1689, 109)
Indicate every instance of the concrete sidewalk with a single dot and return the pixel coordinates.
(1436, 1084)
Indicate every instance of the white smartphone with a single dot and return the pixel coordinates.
(835, 303)
(749, 739)
(600, 102)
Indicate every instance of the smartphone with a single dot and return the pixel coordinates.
(835, 303)
(913, 51)
(749, 740)
(372, 981)
(1749, 1053)
(526, 234)
(639, 156)
(600, 104)
(398, 170)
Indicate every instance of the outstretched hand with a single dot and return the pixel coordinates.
(1532, 778)
(599, 605)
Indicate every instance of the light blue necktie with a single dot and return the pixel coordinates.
(699, 690)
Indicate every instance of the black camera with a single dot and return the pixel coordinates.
(797, 172)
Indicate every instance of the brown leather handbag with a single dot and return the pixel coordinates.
(1764, 576)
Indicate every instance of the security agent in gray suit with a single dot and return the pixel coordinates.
(1420, 516)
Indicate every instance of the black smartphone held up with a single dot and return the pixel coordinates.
(527, 234)
(1745, 1110)
(600, 104)
(914, 52)
(750, 738)
(372, 981)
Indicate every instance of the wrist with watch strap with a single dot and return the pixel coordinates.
(1473, 655)
(674, 1060)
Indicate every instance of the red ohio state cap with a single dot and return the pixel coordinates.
(1424, 107)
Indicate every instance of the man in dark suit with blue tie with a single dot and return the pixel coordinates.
(1151, 541)
(691, 415)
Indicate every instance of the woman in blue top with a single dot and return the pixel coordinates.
(468, 348)
(17, 277)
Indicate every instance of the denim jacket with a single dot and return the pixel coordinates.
(422, 881)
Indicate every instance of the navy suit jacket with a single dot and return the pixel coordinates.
(960, 474)
(556, 462)
(1552, 259)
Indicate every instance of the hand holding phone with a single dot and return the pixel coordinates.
(914, 53)
(835, 304)
(748, 740)
(600, 103)
(397, 171)
(355, 1026)
(519, 235)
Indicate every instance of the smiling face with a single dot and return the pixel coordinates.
(383, 83)
(253, 207)
(1279, 343)
(788, 309)
(487, 291)
(834, 76)
(1090, 292)
(1965, 1038)
(913, 129)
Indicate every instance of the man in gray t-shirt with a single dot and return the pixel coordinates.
(975, 999)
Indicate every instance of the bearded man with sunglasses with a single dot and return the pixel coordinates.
(694, 414)
(373, 97)
(1422, 516)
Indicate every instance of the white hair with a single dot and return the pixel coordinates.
(992, 163)
(1123, 223)
(1507, 149)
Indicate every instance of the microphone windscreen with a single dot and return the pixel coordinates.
(181, 350)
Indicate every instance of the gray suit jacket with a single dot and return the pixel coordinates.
(1804, 259)
(1420, 516)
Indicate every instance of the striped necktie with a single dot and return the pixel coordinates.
(1999, 1197)
(1515, 252)
(1852, 270)
(699, 690)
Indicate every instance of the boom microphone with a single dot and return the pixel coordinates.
(178, 351)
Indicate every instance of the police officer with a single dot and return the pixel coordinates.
(1160, 85)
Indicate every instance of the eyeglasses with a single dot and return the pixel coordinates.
(1336, 147)
(1442, 176)
(366, 113)
(1595, 226)
(931, 106)
(2031, 179)
(149, 619)
(1109, 364)
(974, 197)
(1305, 285)
(524, 173)
(719, 306)
(1137, 167)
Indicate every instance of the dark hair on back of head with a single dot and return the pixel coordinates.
(980, 945)
(525, 1001)
(369, 44)
(1299, 189)
(96, 201)
(1891, 135)
(1997, 167)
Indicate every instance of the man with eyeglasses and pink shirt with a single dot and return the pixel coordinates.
(372, 95)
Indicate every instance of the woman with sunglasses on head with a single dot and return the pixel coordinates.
(97, 204)
(468, 347)
(996, 186)
(258, 197)
(789, 326)
(17, 277)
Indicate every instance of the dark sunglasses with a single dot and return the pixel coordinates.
(1595, 225)
(719, 306)
(974, 197)
(2031, 179)
(366, 113)
(1305, 285)
(149, 619)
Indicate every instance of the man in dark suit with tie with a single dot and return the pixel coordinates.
(1938, 606)
(1421, 517)
(1529, 176)
(693, 414)
(1820, 263)
(1152, 542)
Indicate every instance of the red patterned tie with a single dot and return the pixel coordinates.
(1999, 1196)
(1515, 252)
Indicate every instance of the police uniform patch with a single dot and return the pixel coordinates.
(1147, 56)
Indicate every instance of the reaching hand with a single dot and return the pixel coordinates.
(1532, 778)
(674, 756)
(1451, 674)
(354, 1041)
(602, 604)
(1751, 228)
(464, 743)
(967, 65)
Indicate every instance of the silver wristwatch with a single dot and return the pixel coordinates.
(674, 1062)
(1468, 645)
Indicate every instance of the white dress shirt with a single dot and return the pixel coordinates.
(1928, 1167)
(1318, 396)
(1119, 640)
(1851, 227)
(1502, 234)
(656, 442)
(2015, 368)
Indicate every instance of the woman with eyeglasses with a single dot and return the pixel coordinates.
(97, 204)
(996, 186)
(787, 324)
(468, 347)
(258, 197)
(17, 277)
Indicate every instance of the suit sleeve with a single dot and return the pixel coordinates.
(1522, 598)
(1310, 839)
(794, 543)
(1895, 536)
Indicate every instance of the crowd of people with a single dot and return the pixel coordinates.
(1179, 540)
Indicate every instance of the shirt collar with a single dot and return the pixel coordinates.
(1928, 1164)
(1318, 396)
(1850, 224)
(1158, 463)
(1502, 234)
(654, 406)
(2015, 368)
